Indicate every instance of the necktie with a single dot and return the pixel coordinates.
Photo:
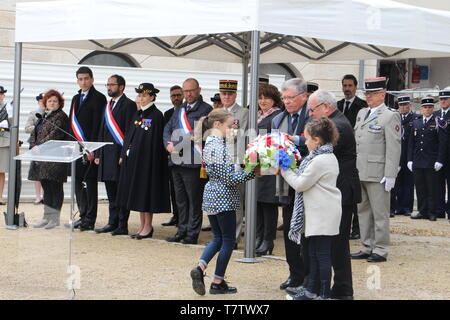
(347, 104)
(443, 114)
(112, 104)
(294, 122)
(424, 121)
(188, 107)
(82, 98)
(367, 115)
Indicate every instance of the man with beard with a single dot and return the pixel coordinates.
(116, 120)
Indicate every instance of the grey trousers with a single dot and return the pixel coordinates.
(373, 215)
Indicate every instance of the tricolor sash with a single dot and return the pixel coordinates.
(186, 127)
(112, 125)
(76, 128)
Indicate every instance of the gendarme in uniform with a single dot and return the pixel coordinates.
(378, 147)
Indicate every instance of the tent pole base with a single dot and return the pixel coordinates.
(12, 227)
(248, 260)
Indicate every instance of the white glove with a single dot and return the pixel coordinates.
(438, 166)
(409, 165)
(389, 183)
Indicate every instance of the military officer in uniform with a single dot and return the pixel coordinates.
(402, 196)
(426, 153)
(444, 174)
(236, 143)
(378, 143)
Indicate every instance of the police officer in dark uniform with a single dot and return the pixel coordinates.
(444, 174)
(402, 196)
(426, 154)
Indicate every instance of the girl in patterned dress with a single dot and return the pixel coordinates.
(220, 200)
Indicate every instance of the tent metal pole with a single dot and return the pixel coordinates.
(14, 136)
(245, 60)
(250, 191)
(361, 74)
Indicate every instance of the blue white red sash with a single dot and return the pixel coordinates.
(112, 125)
(186, 127)
(76, 128)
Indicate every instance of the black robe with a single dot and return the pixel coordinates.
(144, 182)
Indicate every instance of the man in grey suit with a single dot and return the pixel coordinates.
(236, 143)
(378, 148)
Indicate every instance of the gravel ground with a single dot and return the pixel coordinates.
(35, 262)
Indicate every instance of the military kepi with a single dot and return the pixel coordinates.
(444, 93)
(147, 88)
(2, 90)
(228, 85)
(375, 84)
(404, 100)
(427, 101)
(312, 86)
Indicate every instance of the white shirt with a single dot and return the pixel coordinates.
(351, 102)
(116, 99)
(427, 119)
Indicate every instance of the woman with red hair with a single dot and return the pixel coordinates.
(52, 175)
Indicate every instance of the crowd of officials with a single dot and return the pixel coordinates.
(361, 155)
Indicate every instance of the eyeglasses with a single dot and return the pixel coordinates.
(289, 98)
(314, 108)
(111, 85)
(176, 95)
(190, 90)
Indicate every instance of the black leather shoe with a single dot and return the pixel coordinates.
(189, 241)
(105, 229)
(432, 217)
(171, 222)
(355, 236)
(418, 216)
(392, 215)
(266, 248)
(120, 232)
(408, 214)
(221, 288)
(375, 258)
(198, 284)
(86, 227)
(289, 283)
(360, 255)
(337, 297)
(176, 238)
(207, 228)
(148, 235)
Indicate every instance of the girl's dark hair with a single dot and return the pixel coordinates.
(207, 122)
(53, 93)
(323, 128)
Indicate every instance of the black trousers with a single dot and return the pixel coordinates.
(173, 198)
(402, 196)
(87, 195)
(266, 221)
(296, 255)
(340, 255)
(427, 189)
(116, 213)
(189, 196)
(443, 182)
(53, 193)
(355, 221)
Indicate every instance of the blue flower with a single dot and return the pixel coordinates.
(283, 159)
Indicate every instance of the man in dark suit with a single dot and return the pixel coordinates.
(85, 115)
(176, 96)
(186, 159)
(444, 175)
(402, 196)
(292, 121)
(350, 107)
(117, 114)
(323, 104)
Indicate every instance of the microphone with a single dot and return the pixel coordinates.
(83, 148)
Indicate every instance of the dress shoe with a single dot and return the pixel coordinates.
(207, 228)
(407, 213)
(120, 232)
(303, 295)
(441, 215)
(171, 222)
(375, 258)
(188, 240)
(289, 283)
(258, 243)
(76, 224)
(86, 227)
(355, 236)
(432, 217)
(105, 229)
(176, 238)
(417, 216)
(198, 284)
(148, 235)
(360, 255)
(221, 288)
(336, 297)
(265, 248)
(392, 215)
(295, 290)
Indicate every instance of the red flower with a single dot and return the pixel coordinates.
(269, 141)
(253, 157)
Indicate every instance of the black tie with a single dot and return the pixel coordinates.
(82, 97)
(367, 115)
(294, 122)
(112, 104)
(347, 103)
(188, 107)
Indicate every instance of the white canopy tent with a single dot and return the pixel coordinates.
(272, 31)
